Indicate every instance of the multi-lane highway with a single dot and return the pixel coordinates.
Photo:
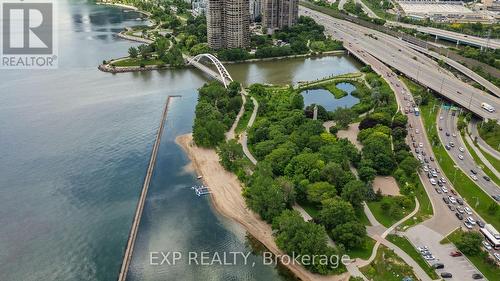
(397, 54)
(451, 138)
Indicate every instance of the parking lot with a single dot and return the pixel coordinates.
(460, 268)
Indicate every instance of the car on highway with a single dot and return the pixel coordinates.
(438, 190)
(433, 181)
(454, 135)
(446, 200)
(461, 157)
(460, 210)
(496, 197)
(451, 207)
(447, 147)
(487, 245)
(452, 144)
(460, 201)
(447, 134)
(474, 177)
(426, 169)
(442, 180)
(444, 189)
(468, 225)
(452, 199)
(456, 254)
(480, 223)
(420, 144)
(461, 149)
(471, 220)
(486, 178)
(431, 158)
(459, 216)
(416, 131)
(473, 171)
(468, 211)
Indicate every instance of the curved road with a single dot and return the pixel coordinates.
(448, 123)
(396, 53)
(484, 146)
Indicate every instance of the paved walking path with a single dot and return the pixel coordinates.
(243, 138)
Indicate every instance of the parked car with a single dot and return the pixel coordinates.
(446, 275)
(459, 216)
(477, 276)
(438, 265)
(455, 254)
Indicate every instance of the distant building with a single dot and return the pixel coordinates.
(255, 10)
(199, 7)
(228, 24)
(277, 14)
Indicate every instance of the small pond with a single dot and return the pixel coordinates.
(326, 99)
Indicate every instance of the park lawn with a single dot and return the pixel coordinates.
(424, 212)
(492, 138)
(360, 214)
(374, 5)
(466, 187)
(387, 266)
(495, 162)
(406, 246)
(363, 252)
(478, 161)
(332, 88)
(137, 62)
(387, 218)
(492, 272)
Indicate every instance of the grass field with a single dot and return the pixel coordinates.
(471, 193)
(364, 252)
(424, 212)
(406, 246)
(490, 271)
(137, 62)
(387, 266)
(388, 218)
(495, 162)
(478, 161)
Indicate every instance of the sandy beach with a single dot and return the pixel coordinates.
(227, 199)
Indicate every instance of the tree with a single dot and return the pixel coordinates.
(229, 152)
(409, 165)
(366, 173)
(343, 116)
(493, 208)
(319, 191)
(336, 212)
(279, 158)
(144, 51)
(354, 192)
(351, 234)
(469, 243)
(132, 52)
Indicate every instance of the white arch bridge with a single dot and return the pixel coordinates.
(223, 76)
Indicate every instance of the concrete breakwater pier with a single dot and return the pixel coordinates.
(127, 257)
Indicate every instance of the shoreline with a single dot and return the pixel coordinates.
(228, 201)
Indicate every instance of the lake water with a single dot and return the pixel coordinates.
(326, 99)
(74, 148)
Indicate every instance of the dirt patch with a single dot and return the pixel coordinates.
(227, 200)
(387, 185)
(351, 134)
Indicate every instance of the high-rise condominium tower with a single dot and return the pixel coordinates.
(277, 14)
(228, 23)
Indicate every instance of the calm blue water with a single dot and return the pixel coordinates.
(327, 100)
(74, 148)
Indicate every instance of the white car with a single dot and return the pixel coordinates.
(487, 245)
(468, 225)
(461, 157)
(497, 256)
(461, 149)
(454, 135)
(416, 131)
(468, 211)
(433, 181)
(440, 117)
(444, 189)
(426, 169)
(421, 145)
(452, 199)
(471, 220)
(474, 177)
